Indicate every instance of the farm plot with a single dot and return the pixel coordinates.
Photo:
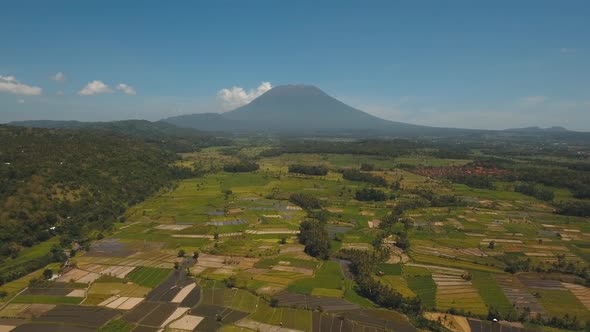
(47, 299)
(397, 283)
(49, 327)
(118, 288)
(55, 289)
(148, 276)
(518, 294)
(285, 317)
(186, 323)
(582, 293)
(26, 311)
(121, 302)
(237, 299)
(455, 292)
(424, 287)
(91, 317)
(110, 247)
(492, 293)
(328, 276)
(212, 314)
(560, 302)
(532, 280)
(288, 299)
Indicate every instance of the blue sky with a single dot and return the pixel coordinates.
(475, 64)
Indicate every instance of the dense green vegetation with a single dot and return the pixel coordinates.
(370, 194)
(162, 134)
(305, 201)
(69, 183)
(242, 166)
(534, 190)
(308, 169)
(388, 148)
(314, 237)
(356, 175)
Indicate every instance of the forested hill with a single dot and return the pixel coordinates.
(163, 134)
(77, 180)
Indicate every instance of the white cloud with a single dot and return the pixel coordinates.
(532, 101)
(10, 84)
(127, 89)
(59, 77)
(94, 88)
(60, 93)
(237, 96)
(21, 101)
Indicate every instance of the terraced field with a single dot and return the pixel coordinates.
(249, 271)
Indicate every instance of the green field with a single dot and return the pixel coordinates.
(328, 276)
(47, 299)
(553, 301)
(148, 276)
(244, 227)
(492, 293)
(425, 288)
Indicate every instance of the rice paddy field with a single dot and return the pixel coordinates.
(221, 252)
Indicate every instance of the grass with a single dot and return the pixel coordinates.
(148, 276)
(117, 325)
(425, 288)
(287, 317)
(327, 292)
(243, 300)
(47, 299)
(121, 289)
(328, 276)
(389, 269)
(492, 293)
(560, 302)
(351, 295)
(463, 298)
(399, 284)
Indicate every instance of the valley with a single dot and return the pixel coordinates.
(224, 250)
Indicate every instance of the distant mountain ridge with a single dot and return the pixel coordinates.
(295, 110)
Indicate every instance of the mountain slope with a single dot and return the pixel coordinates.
(302, 106)
(206, 121)
(305, 109)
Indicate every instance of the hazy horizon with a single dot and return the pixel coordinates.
(461, 64)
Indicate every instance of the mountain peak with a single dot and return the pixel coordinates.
(295, 89)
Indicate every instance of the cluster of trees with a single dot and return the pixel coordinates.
(356, 175)
(15, 271)
(534, 190)
(437, 200)
(77, 181)
(305, 201)
(573, 208)
(577, 181)
(162, 134)
(370, 194)
(308, 169)
(362, 265)
(241, 166)
(515, 263)
(314, 236)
